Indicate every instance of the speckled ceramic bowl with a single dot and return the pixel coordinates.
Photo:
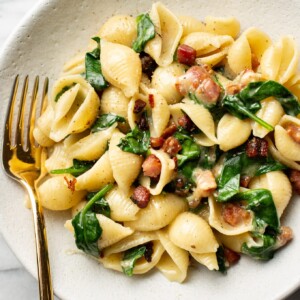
(53, 32)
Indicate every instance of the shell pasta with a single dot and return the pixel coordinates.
(174, 139)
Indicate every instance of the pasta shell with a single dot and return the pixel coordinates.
(216, 220)
(75, 66)
(121, 67)
(42, 129)
(207, 259)
(114, 101)
(271, 112)
(135, 239)
(293, 84)
(168, 33)
(92, 146)
(222, 26)
(190, 232)
(97, 177)
(228, 126)
(174, 262)
(54, 194)
(112, 232)
(201, 117)
(278, 184)
(120, 29)
(285, 144)
(190, 24)
(58, 159)
(166, 174)
(76, 109)
(278, 156)
(161, 210)
(121, 206)
(281, 60)
(142, 266)
(125, 166)
(163, 81)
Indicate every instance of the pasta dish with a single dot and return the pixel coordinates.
(174, 140)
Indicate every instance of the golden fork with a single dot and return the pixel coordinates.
(21, 161)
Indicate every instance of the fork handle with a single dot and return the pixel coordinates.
(43, 266)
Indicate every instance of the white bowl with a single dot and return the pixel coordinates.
(49, 36)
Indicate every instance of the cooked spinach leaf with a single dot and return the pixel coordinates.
(136, 141)
(86, 225)
(100, 206)
(229, 180)
(130, 257)
(238, 164)
(221, 260)
(190, 149)
(105, 121)
(64, 89)
(145, 32)
(247, 102)
(264, 252)
(79, 167)
(93, 72)
(242, 109)
(263, 89)
(260, 201)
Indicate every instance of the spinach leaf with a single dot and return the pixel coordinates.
(137, 141)
(208, 157)
(190, 149)
(260, 201)
(264, 252)
(86, 226)
(221, 260)
(263, 89)
(100, 206)
(130, 257)
(145, 32)
(93, 72)
(64, 89)
(229, 180)
(105, 121)
(79, 167)
(242, 109)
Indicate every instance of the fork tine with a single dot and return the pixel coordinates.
(21, 115)
(8, 138)
(30, 122)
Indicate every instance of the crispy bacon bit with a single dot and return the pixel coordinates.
(257, 147)
(255, 62)
(205, 184)
(141, 196)
(139, 105)
(198, 81)
(180, 187)
(149, 251)
(169, 131)
(231, 256)
(151, 100)
(295, 180)
(245, 180)
(148, 64)
(143, 123)
(151, 166)
(171, 146)
(294, 132)
(157, 142)
(286, 234)
(186, 123)
(70, 183)
(234, 214)
(186, 55)
(233, 89)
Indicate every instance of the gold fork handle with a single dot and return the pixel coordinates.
(43, 266)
